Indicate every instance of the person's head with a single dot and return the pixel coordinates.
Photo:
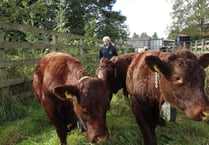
(106, 40)
(145, 48)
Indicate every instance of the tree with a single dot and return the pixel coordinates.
(111, 24)
(155, 35)
(144, 35)
(92, 18)
(83, 17)
(190, 17)
(135, 35)
(75, 20)
(37, 14)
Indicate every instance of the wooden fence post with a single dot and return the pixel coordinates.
(81, 46)
(3, 71)
(191, 46)
(2, 57)
(54, 41)
(196, 45)
(202, 43)
(184, 44)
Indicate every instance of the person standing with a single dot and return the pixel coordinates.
(108, 50)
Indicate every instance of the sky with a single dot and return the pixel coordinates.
(146, 16)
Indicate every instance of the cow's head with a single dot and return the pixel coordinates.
(107, 72)
(182, 82)
(91, 100)
(106, 68)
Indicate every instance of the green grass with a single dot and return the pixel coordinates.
(35, 129)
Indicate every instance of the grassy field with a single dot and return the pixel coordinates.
(35, 129)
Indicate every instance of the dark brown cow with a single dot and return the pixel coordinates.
(114, 71)
(66, 92)
(178, 78)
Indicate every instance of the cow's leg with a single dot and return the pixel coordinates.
(60, 126)
(61, 130)
(146, 121)
(125, 93)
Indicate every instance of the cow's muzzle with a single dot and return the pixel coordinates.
(198, 113)
(205, 115)
(101, 138)
(98, 137)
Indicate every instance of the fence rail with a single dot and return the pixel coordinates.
(198, 46)
(35, 43)
(16, 54)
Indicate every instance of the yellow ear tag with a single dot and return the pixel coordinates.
(68, 95)
(156, 68)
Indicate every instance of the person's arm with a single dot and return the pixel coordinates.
(115, 53)
(100, 54)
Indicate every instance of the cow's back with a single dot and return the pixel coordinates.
(56, 69)
(122, 63)
(113, 71)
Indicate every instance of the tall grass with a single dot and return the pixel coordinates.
(35, 129)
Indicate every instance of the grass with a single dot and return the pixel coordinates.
(35, 129)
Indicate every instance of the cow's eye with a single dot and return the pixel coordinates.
(176, 78)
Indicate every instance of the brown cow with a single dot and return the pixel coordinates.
(178, 78)
(66, 92)
(114, 71)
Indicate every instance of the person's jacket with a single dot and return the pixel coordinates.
(108, 52)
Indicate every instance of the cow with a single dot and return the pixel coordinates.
(114, 71)
(178, 78)
(68, 94)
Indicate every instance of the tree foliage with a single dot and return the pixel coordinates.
(111, 23)
(144, 35)
(94, 18)
(190, 17)
(38, 14)
(135, 35)
(155, 35)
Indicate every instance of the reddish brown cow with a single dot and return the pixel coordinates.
(178, 78)
(114, 71)
(66, 92)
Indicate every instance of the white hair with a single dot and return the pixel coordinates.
(106, 38)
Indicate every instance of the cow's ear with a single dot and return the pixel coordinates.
(66, 91)
(157, 65)
(204, 60)
(104, 62)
